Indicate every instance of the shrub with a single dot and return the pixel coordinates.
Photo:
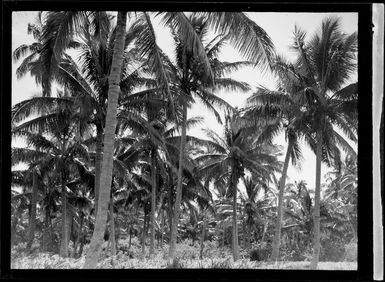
(351, 252)
(221, 264)
(176, 264)
(259, 254)
(332, 252)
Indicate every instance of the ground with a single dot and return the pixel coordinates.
(188, 257)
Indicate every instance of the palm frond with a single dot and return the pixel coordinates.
(37, 105)
(244, 34)
(24, 155)
(146, 42)
(24, 49)
(231, 84)
(191, 41)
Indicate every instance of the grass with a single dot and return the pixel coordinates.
(188, 257)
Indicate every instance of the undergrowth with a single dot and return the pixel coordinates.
(187, 256)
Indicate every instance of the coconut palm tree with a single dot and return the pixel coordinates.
(109, 140)
(255, 205)
(191, 80)
(230, 158)
(283, 110)
(326, 63)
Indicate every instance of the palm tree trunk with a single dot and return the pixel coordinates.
(264, 231)
(45, 238)
(98, 163)
(170, 209)
(109, 141)
(144, 235)
(64, 237)
(162, 230)
(51, 234)
(202, 236)
(80, 235)
(32, 217)
(129, 242)
(317, 196)
(178, 189)
(235, 225)
(153, 201)
(112, 232)
(351, 226)
(19, 213)
(278, 224)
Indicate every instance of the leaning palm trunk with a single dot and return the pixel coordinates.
(235, 227)
(109, 141)
(64, 237)
(317, 194)
(278, 224)
(98, 163)
(32, 218)
(153, 201)
(178, 199)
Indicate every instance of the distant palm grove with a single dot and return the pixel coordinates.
(112, 179)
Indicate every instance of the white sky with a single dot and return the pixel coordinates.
(279, 26)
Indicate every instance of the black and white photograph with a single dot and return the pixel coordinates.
(184, 139)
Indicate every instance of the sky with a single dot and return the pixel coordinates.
(279, 26)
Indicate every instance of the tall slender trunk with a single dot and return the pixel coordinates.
(243, 241)
(32, 217)
(248, 237)
(45, 236)
(224, 234)
(235, 225)
(129, 242)
(79, 235)
(317, 196)
(174, 227)
(51, 234)
(351, 226)
(82, 242)
(98, 164)
(64, 237)
(264, 231)
(19, 213)
(144, 235)
(204, 223)
(162, 229)
(278, 224)
(109, 141)
(353, 230)
(170, 205)
(153, 200)
(112, 231)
